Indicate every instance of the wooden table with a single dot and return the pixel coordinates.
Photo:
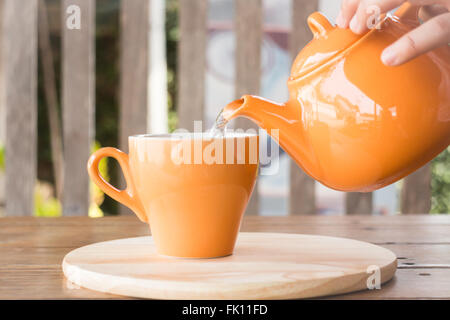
(31, 250)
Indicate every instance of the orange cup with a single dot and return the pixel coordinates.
(192, 189)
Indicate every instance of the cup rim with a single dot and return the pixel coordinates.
(193, 135)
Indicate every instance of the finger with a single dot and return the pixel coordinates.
(366, 11)
(347, 11)
(428, 12)
(443, 3)
(432, 34)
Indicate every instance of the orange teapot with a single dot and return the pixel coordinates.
(351, 122)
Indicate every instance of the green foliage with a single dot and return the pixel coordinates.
(440, 183)
(97, 195)
(45, 205)
(172, 36)
(2, 158)
(173, 121)
(47, 208)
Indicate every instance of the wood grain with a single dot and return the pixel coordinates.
(249, 36)
(263, 266)
(302, 187)
(409, 284)
(78, 94)
(191, 62)
(19, 54)
(410, 256)
(416, 191)
(31, 250)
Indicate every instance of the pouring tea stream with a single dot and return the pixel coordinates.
(351, 122)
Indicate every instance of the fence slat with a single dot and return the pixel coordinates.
(302, 198)
(135, 72)
(416, 191)
(20, 72)
(249, 35)
(78, 94)
(134, 65)
(51, 97)
(358, 203)
(2, 102)
(192, 61)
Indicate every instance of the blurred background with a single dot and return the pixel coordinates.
(162, 103)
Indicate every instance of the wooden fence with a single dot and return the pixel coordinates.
(19, 44)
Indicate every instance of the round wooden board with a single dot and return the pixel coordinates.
(263, 266)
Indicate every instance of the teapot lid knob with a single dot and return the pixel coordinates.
(319, 24)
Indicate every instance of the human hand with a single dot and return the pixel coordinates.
(433, 33)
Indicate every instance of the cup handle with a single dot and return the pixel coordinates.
(127, 197)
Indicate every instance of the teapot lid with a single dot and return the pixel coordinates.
(328, 41)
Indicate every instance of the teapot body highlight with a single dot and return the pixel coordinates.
(351, 122)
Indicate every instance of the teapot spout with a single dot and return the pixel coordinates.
(281, 121)
(266, 114)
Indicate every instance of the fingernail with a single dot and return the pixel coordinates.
(340, 21)
(389, 56)
(354, 25)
